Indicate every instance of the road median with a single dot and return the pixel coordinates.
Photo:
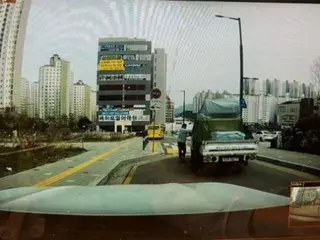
(129, 164)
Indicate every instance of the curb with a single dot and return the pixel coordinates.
(306, 215)
(296, 166)
(103, 180)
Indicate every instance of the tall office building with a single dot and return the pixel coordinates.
(34, 99)
(13, 21)
(24, 96)
(160, 82)
(82, 99)
(54, 78)
(124, 78)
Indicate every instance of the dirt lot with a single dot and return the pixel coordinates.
(20, 161)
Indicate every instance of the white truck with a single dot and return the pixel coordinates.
(218, 136)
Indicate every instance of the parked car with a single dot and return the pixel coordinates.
(263, 136)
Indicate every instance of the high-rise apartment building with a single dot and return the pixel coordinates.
(34, 99)
(93, 108)
(82, 99)
(169, 110)
(54, 79)
(13, 20)
(124, 79)
(24, 96)
(71, 91)
(160, 82)
(251, 86)
(199, 98)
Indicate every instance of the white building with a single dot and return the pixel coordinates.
(54, 79)
(34, 99)
(160, 81)
(288, 113)
(267, 109)
(71, 98)
(24, 96)
(251, 113)
(82, 99)
(13, 20)
(262, 109)
(94, 107)
(169, 110)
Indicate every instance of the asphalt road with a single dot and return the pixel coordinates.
(258, 175)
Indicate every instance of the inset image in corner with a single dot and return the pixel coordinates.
(304, 209)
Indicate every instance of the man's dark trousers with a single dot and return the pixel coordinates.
(182, 150)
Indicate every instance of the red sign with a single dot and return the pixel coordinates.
(8, 1)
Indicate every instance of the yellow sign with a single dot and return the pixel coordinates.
(111, 65)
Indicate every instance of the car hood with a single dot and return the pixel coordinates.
(137, 199)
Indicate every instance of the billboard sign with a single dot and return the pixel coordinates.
(122, 115)
(112, 118)
(115, 112)
(111, 65)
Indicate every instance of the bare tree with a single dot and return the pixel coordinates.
(315, 74)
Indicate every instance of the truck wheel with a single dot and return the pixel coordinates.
(194, 165)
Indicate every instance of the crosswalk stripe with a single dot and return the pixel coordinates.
(172, 149)
(169, 150)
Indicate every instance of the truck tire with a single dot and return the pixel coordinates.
(196, 162)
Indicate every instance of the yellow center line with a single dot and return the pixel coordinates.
(79, 167)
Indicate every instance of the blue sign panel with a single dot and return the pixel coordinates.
(243, 103)
(155, 93)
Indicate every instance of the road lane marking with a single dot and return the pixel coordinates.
(64, 174)
(133, 170)
(302, 175)
(174, 150)
(169, 150)
(156, 146)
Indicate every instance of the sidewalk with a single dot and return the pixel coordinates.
(300, 161)
(90, 173)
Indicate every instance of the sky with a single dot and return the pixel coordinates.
(279, 40)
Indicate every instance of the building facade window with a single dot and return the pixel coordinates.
(110, 98)
(136, 47)
(135, 97)
(110, 87)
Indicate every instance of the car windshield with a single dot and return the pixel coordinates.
(93, 95)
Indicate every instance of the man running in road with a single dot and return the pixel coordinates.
(182, 138)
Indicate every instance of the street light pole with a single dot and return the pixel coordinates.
(184, 105)
(241, 58)
(241, 67)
